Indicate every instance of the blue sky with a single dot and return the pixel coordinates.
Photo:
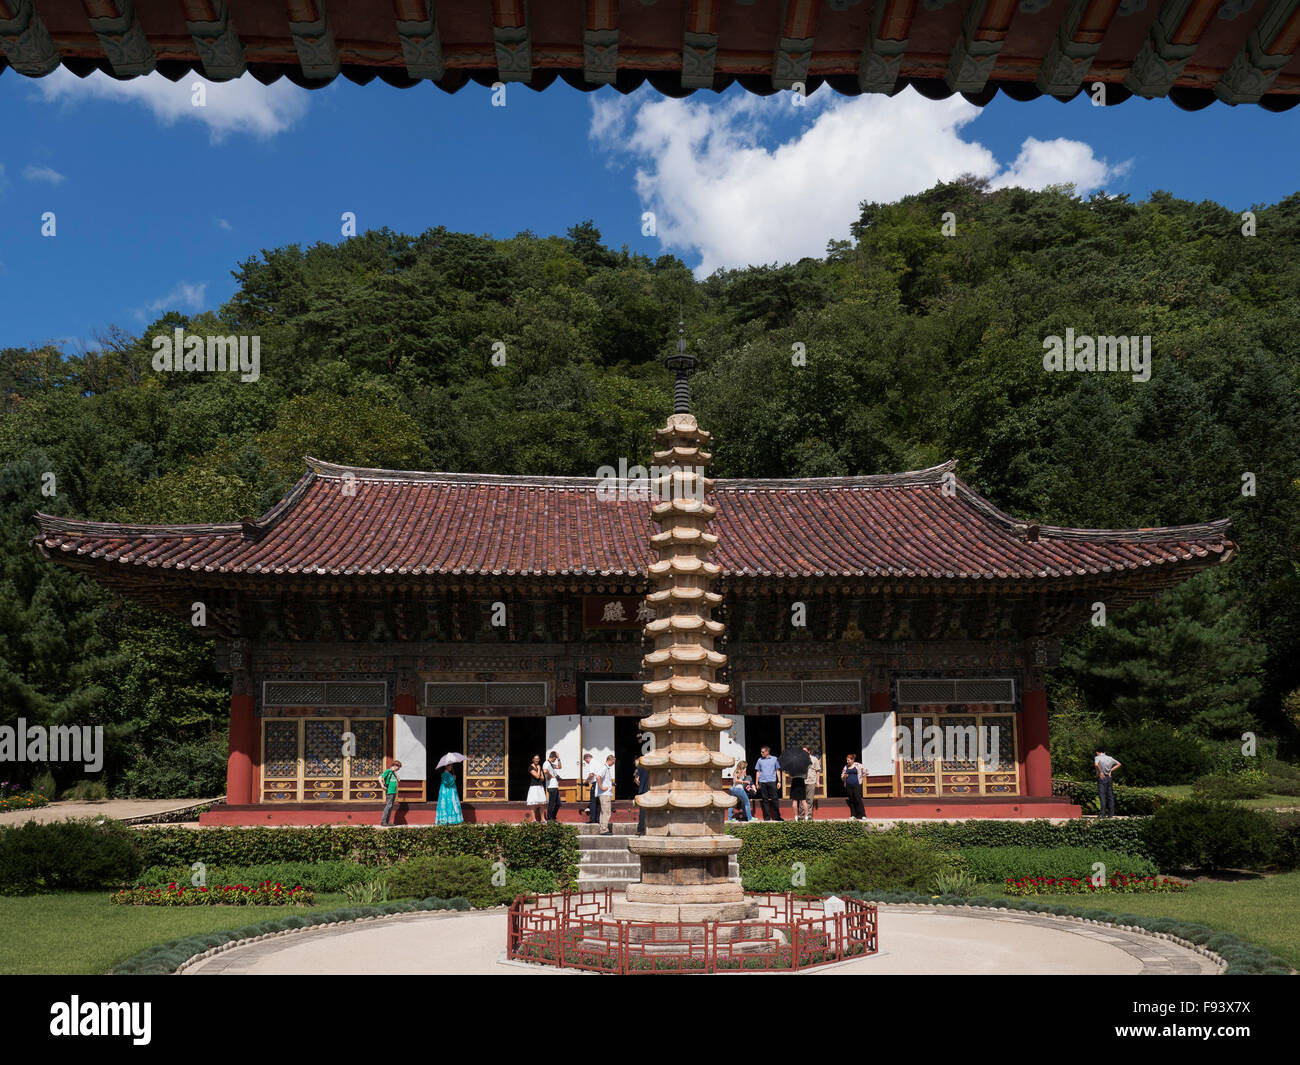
(157, 200)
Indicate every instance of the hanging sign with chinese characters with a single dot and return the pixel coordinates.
(615, 612)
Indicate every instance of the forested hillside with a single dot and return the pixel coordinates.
(920, 346)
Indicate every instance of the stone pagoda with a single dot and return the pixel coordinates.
(684, 853)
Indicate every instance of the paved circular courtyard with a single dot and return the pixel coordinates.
(913, 940)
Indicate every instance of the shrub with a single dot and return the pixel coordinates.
(1238, 787)
(957, 882)
(23, 800)
(1286, 854)
(1106, 834)
(774, 878)
(75, 855)
(781, 845)
(1154, 753)
(43, 784)
(446, 878)
(86, 791)
(1224, 757)
(1129, 802)
(367, 893)
(552, 846)
(531, 882)
(325, 877)
(995, 865)
(881, 861)
(1205, 834)
(171, 770)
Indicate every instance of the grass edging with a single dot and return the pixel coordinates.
(1234, 955)
(176, 955)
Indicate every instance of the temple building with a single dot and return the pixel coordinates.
(384, 612)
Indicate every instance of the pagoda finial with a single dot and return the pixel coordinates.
(681, 364)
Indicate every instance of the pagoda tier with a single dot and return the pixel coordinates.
(685, 852)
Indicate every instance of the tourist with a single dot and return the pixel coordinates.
(552, 768)
(769, 775)
(641, 776)
(812, 778)
(605, 792)
(741, 785)
(1106, 765)
(854, 777)
(448, 800)
(589, 777)
(536, 798)
(798, 792)
(389, 783)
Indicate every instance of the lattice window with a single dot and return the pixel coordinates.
(615, 693)
(280, 754)
(355, 694)
(442, 693)
(319, 693)
(486, 745)
(802, 693)
(773, 693)
(494, 693)
(940, 692)
(282, 694)
(509, 693)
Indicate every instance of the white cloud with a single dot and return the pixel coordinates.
(43, 173)
(1058, 162)
(184, 296)
(221, 223)
(244, 105)
(721, 187)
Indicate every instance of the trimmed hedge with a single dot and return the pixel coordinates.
(325, 877)
(551, 846)
(1204, 834)
(461, 876)
(1129, 802)
(1111, 834)
(76, 855)
(881, 861)
(995, 865)
(166, 958)
(1243, 958)
(783, 844)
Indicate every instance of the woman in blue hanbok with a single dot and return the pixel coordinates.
(448, 800)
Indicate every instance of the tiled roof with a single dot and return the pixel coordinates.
(352, 521)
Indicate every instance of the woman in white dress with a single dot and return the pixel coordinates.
(537, 788)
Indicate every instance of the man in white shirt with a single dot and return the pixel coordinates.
(605, 793)
(1105, 790)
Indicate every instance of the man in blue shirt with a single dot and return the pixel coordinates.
(768, 771)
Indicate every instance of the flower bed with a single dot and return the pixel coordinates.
(263, 894)
(13, 799)
(1071, 885)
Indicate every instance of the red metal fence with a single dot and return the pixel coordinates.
(574, 930)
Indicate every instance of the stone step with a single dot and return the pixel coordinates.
(621, 828)
(596, 843)
(608, 872)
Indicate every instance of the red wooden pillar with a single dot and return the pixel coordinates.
(243, 751)
(1033, 743)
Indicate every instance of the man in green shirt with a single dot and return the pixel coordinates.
(389, 782)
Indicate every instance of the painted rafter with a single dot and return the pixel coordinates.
(120, 35)
(795, 48)
(700, 44)
(1077, 42)
(24, 39)
(983, 32)
(417, 30)
(1268, 49)
(891, 22)
(1170, 43)
(215, 39)
(510, 35)
(313, 38)
(600, 42)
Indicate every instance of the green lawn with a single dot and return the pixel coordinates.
(82, 932)
(1268, 802)
(1265, 912)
